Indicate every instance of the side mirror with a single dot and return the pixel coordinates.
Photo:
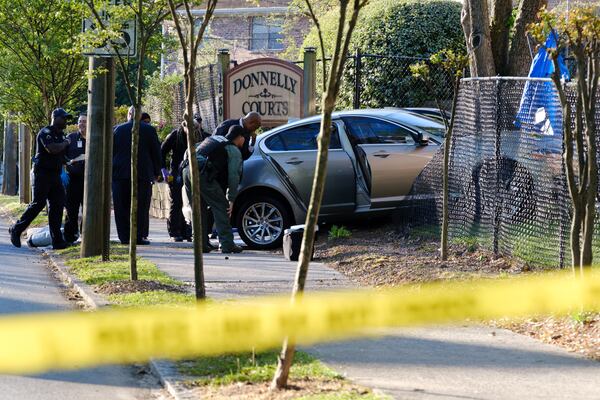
(422, 139)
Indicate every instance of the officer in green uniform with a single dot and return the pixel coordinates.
(219, 158)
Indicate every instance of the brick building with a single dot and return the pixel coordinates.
(250, 30)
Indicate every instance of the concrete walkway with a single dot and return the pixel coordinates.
(250, 273)
(430, 363)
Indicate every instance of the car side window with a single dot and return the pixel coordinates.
(301, 138)
(371, 130)
(275, 143)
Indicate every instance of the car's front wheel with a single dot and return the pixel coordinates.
(261, 222)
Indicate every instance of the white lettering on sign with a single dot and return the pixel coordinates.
(270, 87)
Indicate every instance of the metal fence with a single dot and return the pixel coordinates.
(507, 185)
(377, 81)
(208, 100)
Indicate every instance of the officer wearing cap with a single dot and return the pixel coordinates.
(75, 155)
(51, 145)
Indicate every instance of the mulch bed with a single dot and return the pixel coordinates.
(297, 389)
(577, 335)
(120, 287)
(381, 257)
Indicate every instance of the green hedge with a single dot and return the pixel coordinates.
(401, 28)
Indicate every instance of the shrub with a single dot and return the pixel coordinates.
(404, 29)
(339, 232)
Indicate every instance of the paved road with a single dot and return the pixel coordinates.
(26, 286)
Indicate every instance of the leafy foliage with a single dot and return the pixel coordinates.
(38, 69)
(398, 29)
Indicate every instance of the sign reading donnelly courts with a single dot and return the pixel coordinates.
(268, 86)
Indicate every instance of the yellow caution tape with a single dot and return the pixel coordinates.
(35, 343)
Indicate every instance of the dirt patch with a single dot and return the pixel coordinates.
(380, 256)
(120, 287)
(577, 334)
(298, 388)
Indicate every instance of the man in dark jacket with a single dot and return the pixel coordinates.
(175, 144)
(75, 155)
(251, 122)
(148, 170)
(51, 145)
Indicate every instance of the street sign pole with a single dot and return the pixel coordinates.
(98, 158)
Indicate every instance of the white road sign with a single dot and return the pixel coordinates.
(126, 45)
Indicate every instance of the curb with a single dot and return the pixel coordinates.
(165, 370)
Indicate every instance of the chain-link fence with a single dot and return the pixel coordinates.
(507, 185)
(208, 100)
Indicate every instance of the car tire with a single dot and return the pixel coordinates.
(261, 222)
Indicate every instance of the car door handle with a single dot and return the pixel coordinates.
(294, 161)
(381, 155)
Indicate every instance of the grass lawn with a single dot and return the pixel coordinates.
(11, 206)
(249, 374)
(94, 272)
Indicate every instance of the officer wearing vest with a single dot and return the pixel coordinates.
(76, 171)
(215, 155)
(51, 145)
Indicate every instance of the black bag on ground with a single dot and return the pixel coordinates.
(292, 241)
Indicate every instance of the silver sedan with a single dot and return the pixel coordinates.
(374, 158)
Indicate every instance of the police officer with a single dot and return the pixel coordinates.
(251, 122)
(148, 170)
(218, 154)
(76, 171)
(175, 144)
(51, 145)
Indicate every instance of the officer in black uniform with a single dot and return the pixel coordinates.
(175, 144)
(51, 145)
(76, 171)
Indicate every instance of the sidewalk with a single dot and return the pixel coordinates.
(465, 362)
(250, 273)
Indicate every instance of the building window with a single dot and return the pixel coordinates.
(266, 34)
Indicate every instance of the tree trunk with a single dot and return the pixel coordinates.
(447, 144)
(24, 164)
(499, 29)
(195, 179)
(519, 56)
(9, 179)
(286, 357)
(133, 228)
(476, 25)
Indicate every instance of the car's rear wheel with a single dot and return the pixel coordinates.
(261, 222)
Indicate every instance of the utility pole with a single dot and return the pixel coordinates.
(98, 161)
(24, 164)
(9, 180)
